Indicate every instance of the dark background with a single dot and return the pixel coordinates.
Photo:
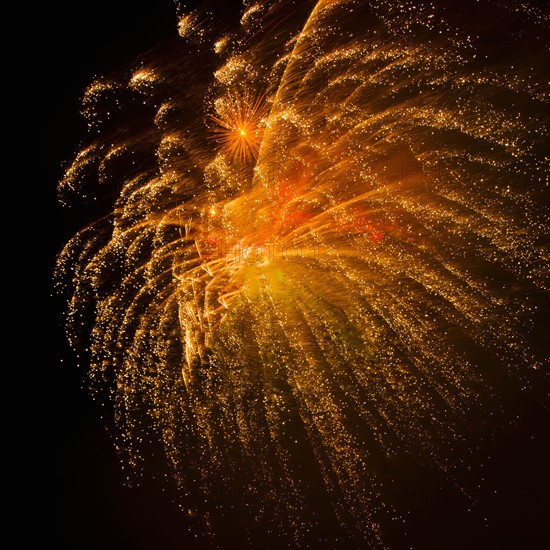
(84, 502)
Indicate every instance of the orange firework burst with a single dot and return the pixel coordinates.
(330, 290)
(239, 129)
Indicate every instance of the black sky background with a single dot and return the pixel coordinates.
(83, 496)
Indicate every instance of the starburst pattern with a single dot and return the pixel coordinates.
(239, 125)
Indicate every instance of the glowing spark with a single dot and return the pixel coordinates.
(240, 130)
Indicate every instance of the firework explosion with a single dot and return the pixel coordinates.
(320, 256)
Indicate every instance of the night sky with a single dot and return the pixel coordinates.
(85, 499)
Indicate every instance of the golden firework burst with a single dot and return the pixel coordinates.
(239, 129)
(327, 290)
